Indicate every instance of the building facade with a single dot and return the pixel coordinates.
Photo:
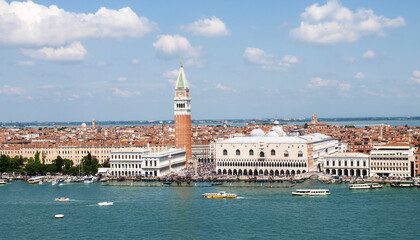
(182, 112)
(272, 154)
(131, 162)
(347, 164)
(393, 160)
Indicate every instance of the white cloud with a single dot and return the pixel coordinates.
(121, 93)
(360, 75)
(208, 27)
(122, 79)
(369, 54)
(26, 63)
(350, 59)
(268, 61)
(8, 90)
(70, 53)
(333, 23)
(222, 87)
(171, 76)
(416, 76)
(345, 86)
(32, 24)
(319, 82)
(135, 61)
(174, 46)
(28, 98)
(49, 86)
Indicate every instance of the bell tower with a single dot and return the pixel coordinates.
(182, 111)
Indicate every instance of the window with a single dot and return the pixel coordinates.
(224, 152)
(262, 154)
(238, 152)
(251, 152)
(273, 152)
(286, 154)
(300, 154)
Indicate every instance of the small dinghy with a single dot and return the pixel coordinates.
(105, 203)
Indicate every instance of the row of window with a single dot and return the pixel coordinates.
(260, 164)
(119, 156)
(132, 165)
(251, 153)
(389, 164)
(390, 169)
(352, 163)
(374, 158)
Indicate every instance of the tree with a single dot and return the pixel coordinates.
(90, 164)
(106, 163)
(59, 163)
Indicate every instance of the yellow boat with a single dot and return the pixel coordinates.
(220, 195)
(35, 180)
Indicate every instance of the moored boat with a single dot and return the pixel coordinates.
(365, 186)
(311, 192)
(3, 181)
(35, 180)
(220, 195)
(403, 184)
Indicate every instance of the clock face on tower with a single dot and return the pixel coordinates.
(180, 94)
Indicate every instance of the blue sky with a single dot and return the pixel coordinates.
(118, 60)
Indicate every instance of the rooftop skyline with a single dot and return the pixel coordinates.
(119, 60)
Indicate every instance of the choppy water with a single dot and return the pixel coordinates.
(27, 212)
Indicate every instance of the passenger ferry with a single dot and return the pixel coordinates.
(220, 195)
(35, 180)
(311, 192)
(405, 184)
(364, 186)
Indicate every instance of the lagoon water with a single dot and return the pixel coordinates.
(27, 212)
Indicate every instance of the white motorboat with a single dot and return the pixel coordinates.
(3, 181)
(105, 203)
(59, 216)
(62, 199)
(88, 180)
(311, 192)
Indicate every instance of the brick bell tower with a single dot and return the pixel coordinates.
(182, 106)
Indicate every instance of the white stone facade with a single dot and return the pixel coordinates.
(129, 162)
(392, 161)
(347, 164)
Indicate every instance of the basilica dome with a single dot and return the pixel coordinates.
(257, 133)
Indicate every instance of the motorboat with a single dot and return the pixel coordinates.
(3, 181)
(59, 216)
(365, 186)
(88, 180)
(220, 195)
(35, 180)
(62, 199)
(311, 192)
(105, 203)
(216, 183)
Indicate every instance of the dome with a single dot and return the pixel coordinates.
(279, 130)
(276, 123)
(257, 133)
(272, 134)
(83, 124)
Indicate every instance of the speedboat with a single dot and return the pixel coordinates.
(3, 181)
(311, 192)
(365, 186)
(220, 195)
(62, 199)
(105, 203)
(35, 180)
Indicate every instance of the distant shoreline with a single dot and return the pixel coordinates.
(410, 121)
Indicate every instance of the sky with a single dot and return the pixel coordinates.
(76, 60)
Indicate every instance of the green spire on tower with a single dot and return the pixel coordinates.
(182, 80)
